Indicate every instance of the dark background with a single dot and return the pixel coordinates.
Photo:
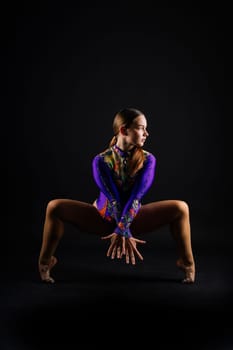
(69, 69)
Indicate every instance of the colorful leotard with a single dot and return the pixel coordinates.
(120, 195)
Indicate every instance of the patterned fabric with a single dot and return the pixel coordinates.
(120, 195)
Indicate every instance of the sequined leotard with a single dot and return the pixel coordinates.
(120, 195)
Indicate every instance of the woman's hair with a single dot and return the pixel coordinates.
(125, 117)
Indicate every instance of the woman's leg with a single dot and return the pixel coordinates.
(175, 213)
(83, 215)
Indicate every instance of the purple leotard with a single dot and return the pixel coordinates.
(120, 195)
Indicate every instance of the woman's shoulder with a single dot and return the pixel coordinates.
(148, 154)
(106, 152)
(103, 154)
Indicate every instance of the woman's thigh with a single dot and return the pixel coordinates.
(156, 214)
(82, 215)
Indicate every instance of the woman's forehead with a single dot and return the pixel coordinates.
(140, 120)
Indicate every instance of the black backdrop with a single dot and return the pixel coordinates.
(71, 67)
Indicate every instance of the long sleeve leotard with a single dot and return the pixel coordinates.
(120, 195)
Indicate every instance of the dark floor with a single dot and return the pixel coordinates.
(102, 303)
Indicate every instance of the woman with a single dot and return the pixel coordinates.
(123, 172)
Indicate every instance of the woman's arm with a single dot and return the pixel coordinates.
(142, 184)
(103, 177)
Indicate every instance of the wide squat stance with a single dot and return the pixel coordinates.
(123, 172)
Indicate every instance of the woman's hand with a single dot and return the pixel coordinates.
(123, 246)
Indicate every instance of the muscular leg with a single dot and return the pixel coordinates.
(83, 215)
(175, 213)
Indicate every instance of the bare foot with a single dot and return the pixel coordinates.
(44, 270)
(188, 270)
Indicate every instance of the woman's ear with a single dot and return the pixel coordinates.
(123, 130)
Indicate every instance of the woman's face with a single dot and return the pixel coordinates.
(137, 132)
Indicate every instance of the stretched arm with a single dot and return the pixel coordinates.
(122, 242)
(142, 184)
(103, 177)
(104, 180)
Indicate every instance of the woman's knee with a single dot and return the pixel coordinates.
(53, 207)
(182, 207)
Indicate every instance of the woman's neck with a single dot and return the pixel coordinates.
(125, 147)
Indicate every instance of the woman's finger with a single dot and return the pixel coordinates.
(113, 252)
(122, 246)
(139, 255)
(113, 242)
(131, 254)
(108, 236)
(133, 246)
(127, 256)
(139, 240)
